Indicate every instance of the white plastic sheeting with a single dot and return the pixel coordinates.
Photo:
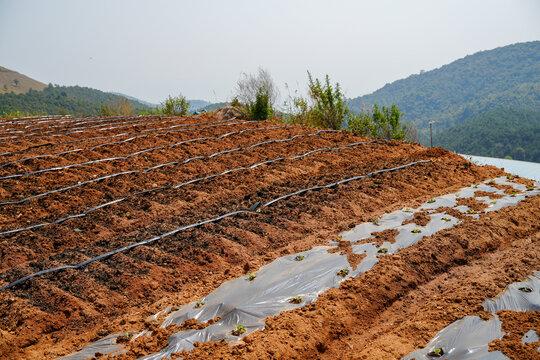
(249, 303)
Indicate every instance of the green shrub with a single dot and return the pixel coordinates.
(174, 106)
(260, 109)
(329, 109)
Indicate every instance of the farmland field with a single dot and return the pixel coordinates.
(73, 189)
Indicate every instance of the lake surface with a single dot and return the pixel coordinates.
(526, 169)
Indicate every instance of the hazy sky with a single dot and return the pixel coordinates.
(149, 49)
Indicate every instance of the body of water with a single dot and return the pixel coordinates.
(525, 169)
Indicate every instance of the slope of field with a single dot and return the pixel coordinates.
(77, 188)
(507, 76)
(12, 81)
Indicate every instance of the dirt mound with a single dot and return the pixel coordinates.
(229, 112)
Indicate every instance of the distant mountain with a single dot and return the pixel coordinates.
(132, 98)
(197, 104)
(507, 76)
(496, 133)
(215, 106)
(74, 100)
(12, 81)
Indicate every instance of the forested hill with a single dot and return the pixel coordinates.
(496, 133)
(74, 100)
(506, 76)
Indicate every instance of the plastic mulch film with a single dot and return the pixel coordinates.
(520, 296)
(465, 339)
(308, 274)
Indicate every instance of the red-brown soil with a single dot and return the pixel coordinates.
(385, 313)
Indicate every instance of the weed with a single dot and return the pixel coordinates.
(383, 250)
(199, 303)
(251, 276)
(299, 257)
(416, 231)
(239, 330)
(431, 201)
(525, 289)
(296, 300)
(445, 219)
(343, 272)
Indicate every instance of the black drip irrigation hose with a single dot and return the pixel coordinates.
(61, 220)
(128, 133)
(121, 157)
(186, 227)
(110, 128)
(112, 143)
(14, 202)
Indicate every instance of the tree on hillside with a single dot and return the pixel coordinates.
(174, 106)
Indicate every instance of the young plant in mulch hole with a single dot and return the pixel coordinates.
(199, 303)
(509, 177)
(416, 231)
(407, 210)
(475, 186)
(530, 188)
(514, 194)
(446, 219)
(251, 276)
(239, 330)
(431, 201)
(296, 300)
(376, 222)
(525, 289)
(123, 338)
(438, 352)
(343, 272)
(471, 211)
(382, 251)
(299, 257)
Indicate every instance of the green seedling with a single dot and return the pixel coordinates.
(475, 186)
(514, 194)
(296, 300)
(239, 330)
(530, 188)
(77, 231)
(376, 222)
(251, 276)
(299, 257)
(436, 352)
(416, 231)
(431, 201)
(123, 338)
(445, 219)
(339, 238)
(525, 289)
(383, 250)
(509, 177)
(407, 209)
(199, 303)
(494, 201)
(471, 211)
(343, 272)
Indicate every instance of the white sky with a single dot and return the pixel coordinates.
(150, 49)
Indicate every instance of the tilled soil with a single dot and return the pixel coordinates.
(385, 313)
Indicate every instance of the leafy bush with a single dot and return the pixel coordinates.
(329, 109)
(118, 106)
(174, 106)
(382, 123)
(260, 109)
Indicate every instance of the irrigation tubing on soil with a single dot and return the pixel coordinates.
(197, 224)
(61, 220)
(130, 133)
(15, 202)
(114, 135)
(58, 168)
(116, 143)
